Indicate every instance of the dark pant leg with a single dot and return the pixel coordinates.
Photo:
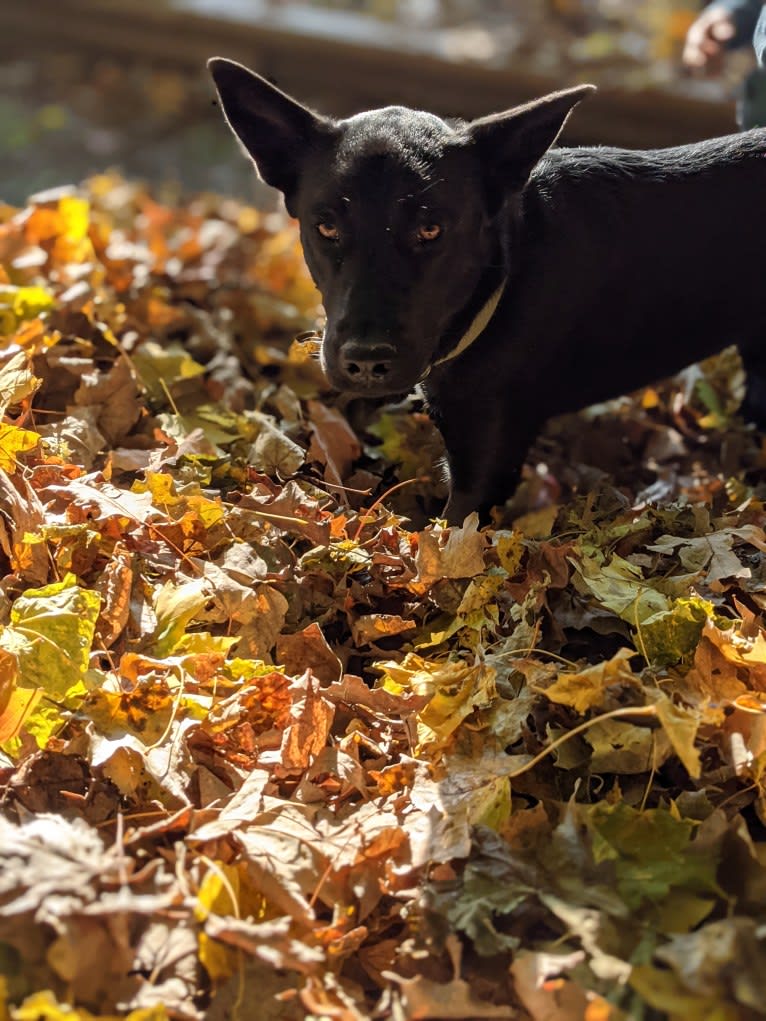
(754, 405)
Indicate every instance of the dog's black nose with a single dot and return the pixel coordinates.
(366, 364)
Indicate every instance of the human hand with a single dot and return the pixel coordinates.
(707, 38)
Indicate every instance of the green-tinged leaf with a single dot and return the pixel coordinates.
(273, 452)
(20, 303)
(682, 911)
(50, 636)
(345, 556)
(202, 643)
(651, 852)
(667, 630)
(406, 441)
(664, 991)
(52, 629)
(493, 885)
(510, 550)
(672, 635)
(480, 593)
(618, 585)
(494, 806)
(243, 670)
(624, 748)
(161, 366)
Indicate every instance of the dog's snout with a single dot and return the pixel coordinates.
(367, 370)
(366, 365)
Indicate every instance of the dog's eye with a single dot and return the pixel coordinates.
(429, 232)
(328, 231)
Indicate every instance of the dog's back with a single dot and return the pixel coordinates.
(624, 268)
(634, 264)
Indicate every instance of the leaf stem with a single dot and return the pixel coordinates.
(364, 516)
(648, 711)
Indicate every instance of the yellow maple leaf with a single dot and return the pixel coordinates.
(14, 441)
(456, 690)
(584, 689)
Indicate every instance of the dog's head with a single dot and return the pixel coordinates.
(398, 212)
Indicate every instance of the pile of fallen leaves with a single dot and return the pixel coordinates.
(273, 749)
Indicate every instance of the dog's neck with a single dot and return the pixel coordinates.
(477, 325)
(473, 319)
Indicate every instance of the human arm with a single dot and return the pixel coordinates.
(722, 25)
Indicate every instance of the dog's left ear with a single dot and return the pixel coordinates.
(511, 143)
(276, 130)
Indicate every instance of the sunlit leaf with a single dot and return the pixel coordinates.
(50, 635)
(585, 689)
(16, 382)
(455, 690)
(176, 606)
(20, 303)
(45, 1007)
(52, 628)
(15, 441)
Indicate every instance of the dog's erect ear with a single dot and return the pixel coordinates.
(275, 130)
(511, 143)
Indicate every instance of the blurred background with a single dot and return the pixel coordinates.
(87, 85)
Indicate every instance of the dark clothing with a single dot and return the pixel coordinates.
(750, 23)
(745, 14)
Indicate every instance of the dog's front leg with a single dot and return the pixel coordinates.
(461, 503)
(484, 462)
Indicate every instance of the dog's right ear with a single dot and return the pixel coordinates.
(511, 143)
(274, 129)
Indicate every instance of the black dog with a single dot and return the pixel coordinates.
(513, 280)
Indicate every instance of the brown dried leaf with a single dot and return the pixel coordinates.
(308, 649)
(311, 716)
(450, 1001)
(450, 552)
(22, 514)
(114, 397)
(114, 586)
(374, 626)
(333, 443)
